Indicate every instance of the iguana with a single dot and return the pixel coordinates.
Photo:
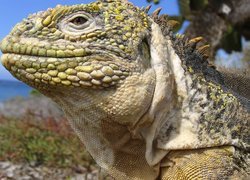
(145, 102)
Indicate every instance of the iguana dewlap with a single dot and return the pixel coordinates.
(144, 101)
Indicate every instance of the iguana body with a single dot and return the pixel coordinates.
(145, 102)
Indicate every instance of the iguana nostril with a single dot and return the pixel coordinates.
(27, 24)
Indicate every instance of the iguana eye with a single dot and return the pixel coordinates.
(79, 20)
(78, 23)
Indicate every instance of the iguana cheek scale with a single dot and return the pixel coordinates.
(144, 101)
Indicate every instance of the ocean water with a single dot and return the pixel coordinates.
(11, 89)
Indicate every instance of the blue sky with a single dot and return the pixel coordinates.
(13, 11)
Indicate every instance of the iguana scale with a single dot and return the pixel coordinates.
(145, 102)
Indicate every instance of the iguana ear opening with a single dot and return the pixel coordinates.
(145, 54)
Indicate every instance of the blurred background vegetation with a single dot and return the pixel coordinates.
(49, 142)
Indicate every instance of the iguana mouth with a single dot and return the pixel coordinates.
(38, 63)
(28, 46)
(92, 71)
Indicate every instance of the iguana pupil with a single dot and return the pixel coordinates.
(79, 20)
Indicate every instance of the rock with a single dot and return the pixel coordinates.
(9, 170)
(4, 165)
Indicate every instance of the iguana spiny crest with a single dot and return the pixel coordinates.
(144, 101)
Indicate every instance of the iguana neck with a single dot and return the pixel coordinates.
(202, 116)
(107, 132)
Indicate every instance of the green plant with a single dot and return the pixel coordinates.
(47, 142)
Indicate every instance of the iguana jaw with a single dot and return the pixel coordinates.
(94, 71)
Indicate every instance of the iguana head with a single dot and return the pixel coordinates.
(96, 47)
(79, 46)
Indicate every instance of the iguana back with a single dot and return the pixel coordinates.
(237, 80)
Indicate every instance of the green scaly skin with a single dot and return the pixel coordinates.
(144, 101)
